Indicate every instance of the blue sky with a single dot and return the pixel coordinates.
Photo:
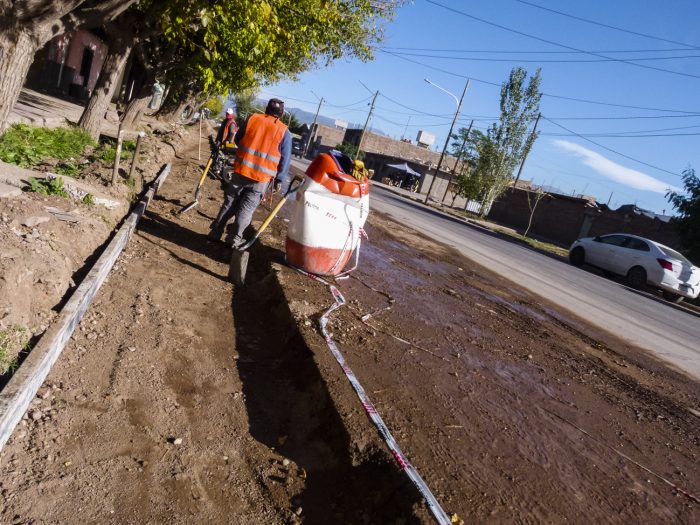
(559, 158)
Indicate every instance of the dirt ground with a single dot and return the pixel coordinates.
(46, 242)
(182, 400)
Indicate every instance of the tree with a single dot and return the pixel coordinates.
(532, 202)
(350, 150)
(292, 122)
(506, 142)
(245, 105)
(215, 105)
(27, 25)
(211, 46)
(687, 204)
(473, 181)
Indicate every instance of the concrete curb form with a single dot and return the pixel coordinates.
(17, 395)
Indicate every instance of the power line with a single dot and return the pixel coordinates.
(558, 44)
(518, 51)
(633, 117)
(349, 105)
(611, 150)
(601, 24)
(617, 136)
(549, 95)
(550, 61)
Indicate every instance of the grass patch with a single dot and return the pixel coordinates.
(108, 151)
(12, 341)
(540, 245)
(47, 186)
(28, 146)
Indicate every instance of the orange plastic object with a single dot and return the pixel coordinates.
(325, 171)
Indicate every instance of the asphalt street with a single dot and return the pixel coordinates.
(671, 334)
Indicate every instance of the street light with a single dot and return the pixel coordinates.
(447, 139)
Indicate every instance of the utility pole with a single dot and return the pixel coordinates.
(459, 157)
(447, 141)
(403, 135)
(369, 115)
(313, 128)
(609, 199)
(520, 170)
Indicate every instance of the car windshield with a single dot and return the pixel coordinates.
(672, 253)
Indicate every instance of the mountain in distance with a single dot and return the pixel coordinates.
(307, 117)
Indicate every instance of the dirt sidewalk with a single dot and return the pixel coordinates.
(179, 402)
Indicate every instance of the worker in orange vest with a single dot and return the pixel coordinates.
(227, 131)
(263, 156)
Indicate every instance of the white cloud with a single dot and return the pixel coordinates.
(613, 170)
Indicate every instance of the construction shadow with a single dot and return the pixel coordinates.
(291, 410)
(163, 228)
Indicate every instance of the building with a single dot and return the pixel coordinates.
(380, 151)
(69, 65)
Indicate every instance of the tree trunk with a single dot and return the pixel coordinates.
(17, 49)
(173, 112)
(98, 105)
(137, 105)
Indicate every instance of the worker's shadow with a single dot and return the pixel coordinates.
(160, 226)
(291, 410)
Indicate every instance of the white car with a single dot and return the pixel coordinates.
(641, 261)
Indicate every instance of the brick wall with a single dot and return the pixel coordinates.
(562, 219)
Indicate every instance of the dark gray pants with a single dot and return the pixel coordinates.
(241, 198)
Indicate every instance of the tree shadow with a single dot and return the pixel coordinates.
(291, 409)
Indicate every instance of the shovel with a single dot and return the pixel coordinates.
(198, 190)
(239, 256)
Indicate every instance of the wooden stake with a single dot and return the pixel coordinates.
(139, 140)
(115, 171)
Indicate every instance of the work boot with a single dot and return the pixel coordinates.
(213, 236)
(235, 241)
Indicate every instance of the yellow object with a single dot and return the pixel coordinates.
(358, 170)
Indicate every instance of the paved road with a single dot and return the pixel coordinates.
(672, 334)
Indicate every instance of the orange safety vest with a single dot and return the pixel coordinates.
(227, 129)
(258, 153)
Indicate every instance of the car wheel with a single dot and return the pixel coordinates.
(637, 277)
(672, 297)
(577, 256)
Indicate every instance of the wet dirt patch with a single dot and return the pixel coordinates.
(518, 412)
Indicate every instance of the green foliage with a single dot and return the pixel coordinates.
(68, 169)
(215, 105)
(237, 45)
(31, 145)
(108, 151)
(687, 204)
(245, 105)
(89, 199)
(292, 122)
(47, 186)
(350, 150)
(12, 340)
(495, 154)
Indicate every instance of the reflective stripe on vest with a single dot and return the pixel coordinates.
(266, 171)
(258, 154)
(273, 158)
